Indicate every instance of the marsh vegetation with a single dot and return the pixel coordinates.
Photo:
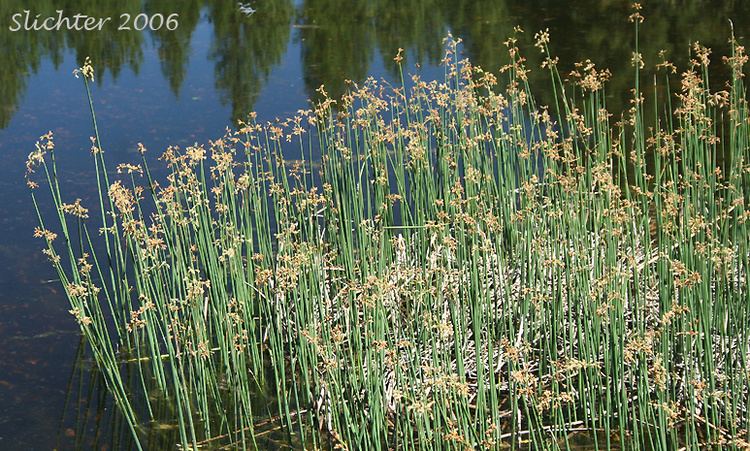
(449, 265)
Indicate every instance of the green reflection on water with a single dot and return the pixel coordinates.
(341, 40)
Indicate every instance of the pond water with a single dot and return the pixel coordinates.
(187, 85)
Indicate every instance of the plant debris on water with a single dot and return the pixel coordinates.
(443, 265)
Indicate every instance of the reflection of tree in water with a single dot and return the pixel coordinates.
(483, 25)
(22, 54)
(174, 46)
(246, 48)
(596, 30)
(336, 43)
(111, 50)
(599, 30)
(419, 25)
(23, 51)
(339, 40)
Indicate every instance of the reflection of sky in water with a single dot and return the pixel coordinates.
(37, 336)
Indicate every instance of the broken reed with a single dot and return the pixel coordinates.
(457, 269)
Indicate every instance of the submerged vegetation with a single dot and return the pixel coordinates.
(446, 265)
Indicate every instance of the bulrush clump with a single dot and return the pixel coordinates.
(461, 268)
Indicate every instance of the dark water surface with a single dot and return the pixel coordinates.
(187, 85)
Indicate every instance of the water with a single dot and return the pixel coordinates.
(187, 85)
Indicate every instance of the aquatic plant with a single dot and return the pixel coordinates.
(444, 265)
